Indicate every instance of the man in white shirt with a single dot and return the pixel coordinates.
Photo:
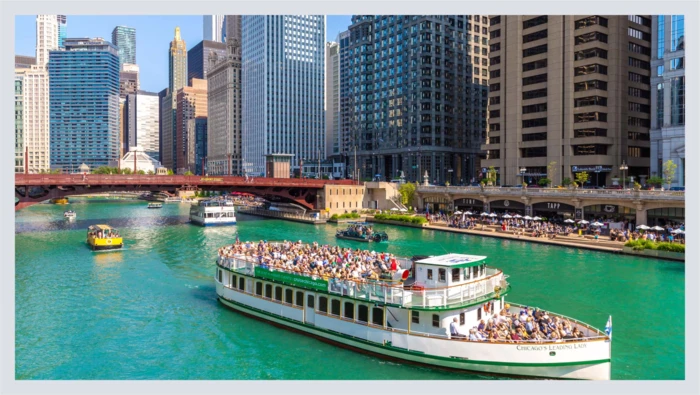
(454, 329)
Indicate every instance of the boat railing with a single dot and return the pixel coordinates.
(589, 330)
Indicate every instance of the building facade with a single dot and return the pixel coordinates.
(569, 94)
(213, 28)
(142, 122)
(62, 29)
(332, 99)
(35, 117)
(128, 79)
(283, 81)
(197, 145)
(46, 37)
(124, 38)
(84, 104)
(418, 87)
(232, 28)
(165, 125)
(198, 58)
(668, 95)
(344, 99)
(191, 104)
(24, 62)
(224, 120)
(177, 79)
(19, 124)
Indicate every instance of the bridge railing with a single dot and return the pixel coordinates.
(94, 179)
(558, 192)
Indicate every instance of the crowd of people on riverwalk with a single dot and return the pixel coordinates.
(321, 261)
(530, 324)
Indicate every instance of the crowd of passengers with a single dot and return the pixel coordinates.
(531, 324)
(316, 260)
(104, 234)
(360, 230)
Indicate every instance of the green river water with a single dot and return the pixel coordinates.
(150, 311)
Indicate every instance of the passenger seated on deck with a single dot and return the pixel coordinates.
(454, 330)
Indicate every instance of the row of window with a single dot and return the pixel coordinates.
(535, 79)
(538, 64)
(591, 21)
(537, 93)
(534, 50)
(590, 132)
(590, 37)
(591, 53)
(534, 22)
(535, 136)
(591, 69)
(634, 62)
(594, 116)
(535, 36)
(535, 108)
(590, 149)
(591, 101)
(534, 152)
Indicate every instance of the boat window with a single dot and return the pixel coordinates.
(310, 302)
(300, 299)
(415, 317)
(475, 272)
(349, 310)
(378, 316)
(467, 273)
(436, 320)
(289, 296)
(241, 283)
(258, 288)
(268, 291)
(461, 319)
(335, 307)
(278, 293)
(478, 314)
(220, 275)
(441, 275)
(362, 313)
(430, 274)
(455, 275)
(234, 281)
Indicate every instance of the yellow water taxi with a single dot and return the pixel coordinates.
(104, 237)
(59, 201)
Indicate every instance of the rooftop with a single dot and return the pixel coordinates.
(453, 260)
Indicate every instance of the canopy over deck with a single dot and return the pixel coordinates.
(100, 227)
(453, 260)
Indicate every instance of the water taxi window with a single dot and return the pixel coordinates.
(378, 316)
(300, 299)
(441, 275)
(461, 319)
(436, 320)
(289, 296)
(349, 310)
(362, 313)
(268, 290)
(278, 293)
(455, 275)
(323, 304)
(415, 317)
(335, 307)
(258, 288)
(430, 274)
(234, 281)
(241, 283)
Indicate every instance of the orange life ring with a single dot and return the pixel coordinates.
(109, 241)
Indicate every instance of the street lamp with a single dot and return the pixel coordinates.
(522, 173)
(450, 176)
(623, 169)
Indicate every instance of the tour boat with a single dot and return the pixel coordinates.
(155, 205)
(407, 317)
(360, 231)
(60, 201)
(173, 200)
(70, 214)
(213, 212)
(103, 237)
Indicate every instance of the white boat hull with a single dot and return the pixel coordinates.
(588, 360)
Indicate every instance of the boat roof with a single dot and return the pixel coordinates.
(453, 260)
(359, 223)
(101, 227)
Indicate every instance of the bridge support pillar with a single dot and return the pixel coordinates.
(641, 215)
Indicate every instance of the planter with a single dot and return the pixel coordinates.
(675, 256)
(399, 223)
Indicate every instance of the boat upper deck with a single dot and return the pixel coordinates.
(365, 275)
(216, 203)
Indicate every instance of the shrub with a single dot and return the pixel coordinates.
(640, 245)
(334, 217)
(401, 218)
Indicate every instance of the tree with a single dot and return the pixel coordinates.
(551, 171)
(150, 172)
(102, 170)
(543, 182)
(581, 178)
(188, 173)
(170, 172)
(566, 182)
(141, 172)
(655, 181)
(669, 172)
(407, 191)
(491, 175)
(126, 170)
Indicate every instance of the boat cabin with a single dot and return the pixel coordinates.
(449, 270)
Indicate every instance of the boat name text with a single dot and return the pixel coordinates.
(553, 347)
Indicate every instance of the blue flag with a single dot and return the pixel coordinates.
(608, 327)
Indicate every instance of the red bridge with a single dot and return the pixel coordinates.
(34, 188)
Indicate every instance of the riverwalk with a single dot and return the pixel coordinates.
(307, 219)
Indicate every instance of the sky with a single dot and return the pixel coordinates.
(153, 36)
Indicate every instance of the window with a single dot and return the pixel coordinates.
(455, 275)
(494, 140)
(495, 113)
(335, 307)
(640, 49)
(495, 47)
(299, 299)
(591, 21)
(495, 20)
(493, 154)
(310, 301)
(634, 121)
(495, 73)
(634, 62)
(638, 136)
(430, 274)
(258, 288)
(349, 311)
(590, 85)
(478, 314)
(638, 19)
(677, 100)
(535, 94)
(538, 64)
(638, 34)
(659, 105)
(241, 283)
(590, 132)
(415, 317)
(495, 87)
(591, 117)
(362, 313)
(234, 281)
(590, 149)
(495, 60)
(535, 36)
(535, 50)
(494, 100)
(660, 33)
(495, 33)
(462, 318)
(591, 53)
(636, 92)
(278, 293)
(590, 101)
(634, 77)
(535, 108)
(535, 136)
(323, 304)
(532, 123)
(289, 296)
(268, 291)
(535, 21)
(378, 316)
(638, 107)
(441, 275)
(677, 63)
(535, 79)
(494, 127)
(590, 37)
(436, 321)
(535, 152)
(638, 152)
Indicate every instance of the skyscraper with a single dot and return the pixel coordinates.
(198, 58)
(332, 105)
(177, 79)
(191, 104)
(283, 76)
(213, 28)
(46, 37)
(62, 29)
(224, 100)
(165, 115)
(668, 95)
(142, 122)
(344, 119)
(418, 88)
(84, 104)
(128, 79)
(569, 94)
(232, 28)
(125, 40)
(19, 124)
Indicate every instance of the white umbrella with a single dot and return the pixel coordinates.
(394, 209)
(484, 214)
(643, 227)
(507, 216)
(527, 217)
(517, 216)
(569, 221)
(468, 212)
(458, 212)
(677, 231)
(537, 219)
(403, 210)
(597, 224)
(583, 221)
(493, 215)
(657, 227)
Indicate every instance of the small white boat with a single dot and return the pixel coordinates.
(213, 212)
(155, 205)
(173, 200)
(70, 214)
